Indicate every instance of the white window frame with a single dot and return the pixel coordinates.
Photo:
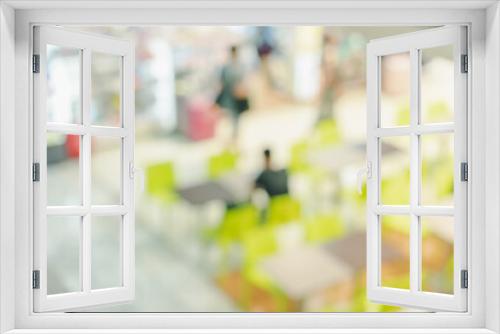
(16, 20)
(412, 44)
(125, 51)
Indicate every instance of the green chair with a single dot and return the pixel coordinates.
(398, 282)
(327, 133)
(298, 157)
(283, 209)
(437, 173)
(439, 111)
(257, 244)
(236, 223)
(395, 188)
(161, 181)
(221, 164)
(324, 227)
(403, 115)
(395, 223)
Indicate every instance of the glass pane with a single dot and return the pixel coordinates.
(106, 170)
(437, 169)
(106, 89)
(63, 254)
(395, 242)
(395, 90)
(63, 84)
(63, 169)
(106, 252)
(395, 170)
(437, 78)
(437, 254)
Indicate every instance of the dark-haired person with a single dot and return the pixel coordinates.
(233, 95)
(273, 181)
(269, 183)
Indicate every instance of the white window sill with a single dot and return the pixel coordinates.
(252, 331)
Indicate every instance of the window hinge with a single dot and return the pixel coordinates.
(464, 171)
(465, 64)
(36, 172)
(36, 63)
(464, 279)
(36, 279)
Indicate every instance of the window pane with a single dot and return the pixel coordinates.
(106, 89)
(106, 252)
(63, 84)
(395, 242)
(63, 169)
(106, 170)
(437, 254)
(437, 78)
(395, 90)
(63, 254)
(395, 170)
(437, 169)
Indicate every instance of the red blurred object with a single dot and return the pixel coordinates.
(201, 120)
(72, 146)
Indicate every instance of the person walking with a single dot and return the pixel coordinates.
(233, 95)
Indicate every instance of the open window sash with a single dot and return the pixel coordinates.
(412, 45)
(86, 212)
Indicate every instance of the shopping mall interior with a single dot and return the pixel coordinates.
(250, 140)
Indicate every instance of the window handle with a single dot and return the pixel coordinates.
(363, 173)
(137, 174)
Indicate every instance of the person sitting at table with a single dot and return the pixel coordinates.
(273, 181)
(270, 182)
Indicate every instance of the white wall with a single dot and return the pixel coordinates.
(492, 204)
(7, 164)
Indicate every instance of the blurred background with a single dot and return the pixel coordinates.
(250, 139)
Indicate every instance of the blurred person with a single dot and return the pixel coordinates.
(233, 96)
(268, 81)
(265, 47)
(329, 78)
(270, 182)
(273, 181)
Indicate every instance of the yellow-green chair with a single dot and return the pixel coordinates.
(398, 282)
(327, 133)
(257, 244)
(439, 111)
(351, 196)
(161, 181)
(221, 164)
(236, 223)
(395, 223)
(437, 173)
(325, 227)
(403, 115)
(298, 157)
(395, 188)
(283, 209)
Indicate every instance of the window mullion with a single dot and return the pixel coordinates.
(414, 172)
(86, 173)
